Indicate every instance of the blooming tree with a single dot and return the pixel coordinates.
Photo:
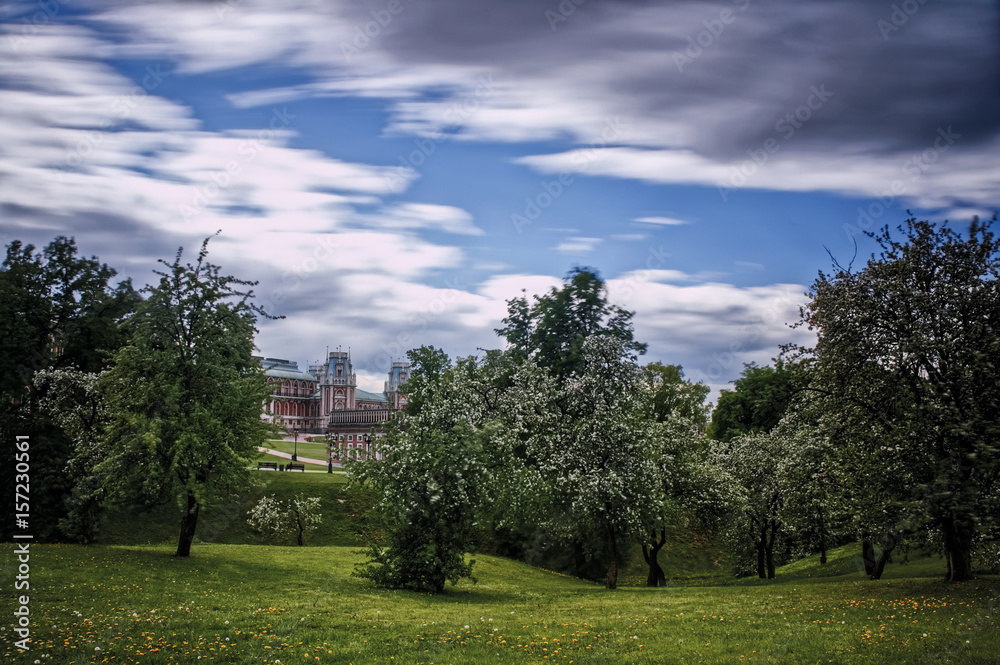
(275, 519)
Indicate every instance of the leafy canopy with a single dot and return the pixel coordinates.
(186, 393)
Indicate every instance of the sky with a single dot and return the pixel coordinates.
(392, 172)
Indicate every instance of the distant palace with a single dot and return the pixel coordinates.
(327, 400)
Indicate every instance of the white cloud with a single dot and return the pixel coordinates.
(960, 175)
(612, 79)
(578, 245)
(713, 328)
(662, 221)
(423, 216)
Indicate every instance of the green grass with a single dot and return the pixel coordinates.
(343, 514)
(312, 450)
(259, 604)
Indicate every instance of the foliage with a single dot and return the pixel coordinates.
(907, 352)
(57, 311)
(430, 478)
(185, 394)
(553, 329)
(72, 400)
(275, 519)
(758, 402)
(751, 461)
(430, 483)
(673, 397)
(596, 454)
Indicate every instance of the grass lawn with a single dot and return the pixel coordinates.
(265, 604)
(225, 523)
(311, 450)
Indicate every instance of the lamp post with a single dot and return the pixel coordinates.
(295, 453)
(329, 454)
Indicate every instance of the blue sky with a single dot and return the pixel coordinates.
(393, 171)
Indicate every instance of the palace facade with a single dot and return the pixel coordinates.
(326, 400)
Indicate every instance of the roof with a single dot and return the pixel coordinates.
(284, 369)
(365, 396)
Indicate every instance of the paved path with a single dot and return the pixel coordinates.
(278, 453)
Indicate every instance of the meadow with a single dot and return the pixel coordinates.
(237, 601)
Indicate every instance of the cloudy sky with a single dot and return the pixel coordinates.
(393, 171)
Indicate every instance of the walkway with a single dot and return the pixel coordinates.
(278, 453)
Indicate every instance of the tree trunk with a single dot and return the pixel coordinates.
(883, 558)
(611, 581)
(650, 551)
(769, 548)
(957, 551)
(868, 554)
(762, 554)
(822, 539)
(189, 522)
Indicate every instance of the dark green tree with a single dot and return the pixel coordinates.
(185, 395)
(58, 311)
(552, 329)
(757, 403)
(907, 350)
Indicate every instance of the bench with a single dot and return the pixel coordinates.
(295, 466)
(267, 465)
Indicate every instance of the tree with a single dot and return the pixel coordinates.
(552, 330)
(58, 311)
(907, 348)
(186, 394)
(430, 480)
(274, 519)
(675, 397)
(597, 456)
(72, 400)
(678, 409)
(751, 460)
(758, 402)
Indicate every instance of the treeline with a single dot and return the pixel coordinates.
(885, 431)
